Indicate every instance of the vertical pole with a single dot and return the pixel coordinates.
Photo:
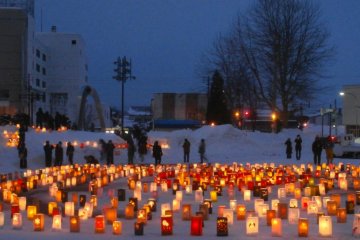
(122, 105)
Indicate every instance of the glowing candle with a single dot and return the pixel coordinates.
(325, 226)
(276, 227)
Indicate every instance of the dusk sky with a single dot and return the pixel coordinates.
(166, 38)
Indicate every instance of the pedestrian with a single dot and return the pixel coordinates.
(157, 153)
(110, 152)
(39, 118)
(186, 147)
(142, 147)
(59, 154)
(202, 150)
(316, 149)
(288, 148)
(298, 142)
(70, 152)
(131, 151)
(23, 156)
(329, 150)
(48, 154)
(102, 145)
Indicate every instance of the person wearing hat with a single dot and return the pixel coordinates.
(59, 154)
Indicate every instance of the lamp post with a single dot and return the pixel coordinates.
(123, 72)
(356, 107)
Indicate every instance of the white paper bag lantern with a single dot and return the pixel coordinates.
(318, 201)
(293, 215)
(56, 224)
(164, 208)
(252, 226)
(17, 221)
(274, 204)
(199, 196)
(325, 226)
(153, 187)
(276, 227)
(312, 207)
(322, 189)
(179, 196)
(22, 203)
(176, 205)
(247, 195)
(233, 204)
(262, 209)
(164, 187)
(69, 209)
(281, 193)
(229, 214)
(325, 200)
(137, 193)
(257, 202)
(293, 203)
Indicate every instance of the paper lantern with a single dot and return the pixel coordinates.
(213, 196)
(129, 211)
(69, 209)
(325, 226)
(188, 190)
(121, 194)
(74, 224)
(175, 205)
(252, 225)
(258, 202)
(331, 208)
(31, 212)
(318, 201)
(294, 214)
(179, 196)
(304, 203)
(356, 183)
(17, 221)
(166, 225)
(356, 225)
(94, 200)
(240, 212)
(164, 187)
(146, 188)
(341, 215)
(303, 227)
(196, 225)
(99, 224)
(89, 207)
(229, 214)
(51, 206)
(134, 202)
(282, 211)
(186, 212)
(142, 216)
(307, 192)
(293, 203)
(139, 228)
(270, 214)
(164, 208)
(137, 193)
(322, 190)
(38, 222)
(56, 223)
(281, 193)
(220, 210)
(232, 204)
(208, 202)
(110, 214)
(2, 219)
(297, 193)
(274, 204)
(204, 209)
(114, 202)
(22, 203)
(325, 200)
(199, 196)
(337, 198)
(152, 204)
(247, 195)
(82, 213)
(14, 209)
(350, 207)
(318, 215)
(117, 227)
(221, 226)
(312, 207)
(276, 227)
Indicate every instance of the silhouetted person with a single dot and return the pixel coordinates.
(110, 152)
(288, 148)
(298, 143)
(39, 118)
(48, 148)
(186, 148)
(131, 151)
(59, 154)
(157, 153)
(316, 149)
(23, 156)
(70, 152)
(202, 150)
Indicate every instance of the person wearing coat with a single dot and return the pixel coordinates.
(70, 152)
(288, 148)
(48, 148)
(202, 149)
(298, 142)
(131, 151)
(186, 147)
(157, 153)
(59, 154)
(316, 149)
(110, 152)
(23, 156)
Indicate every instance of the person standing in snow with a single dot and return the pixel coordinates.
(59, 154)
(70, 152)
(131, 150)
(23, 156)
(110, 153)
(288, 148)
(48, 154)
(186, 147)
(157, 153)
(316, 149)
(202, 149)
(298, 142)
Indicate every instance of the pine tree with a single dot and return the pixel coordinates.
(217, 108)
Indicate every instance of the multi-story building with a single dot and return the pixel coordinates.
(351, 109)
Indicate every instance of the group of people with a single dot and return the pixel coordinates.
(45, 119)
(59, 153)
(317, 146)
(107, 151)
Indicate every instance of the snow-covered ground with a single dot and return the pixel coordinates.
(224, 144)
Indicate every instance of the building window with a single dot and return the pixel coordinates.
(38, 82)
(44, 57)
(43, 84)
(38, 53)
(73, 42)
(37, 67)
(44, 71)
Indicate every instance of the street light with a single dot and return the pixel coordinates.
(343, 94)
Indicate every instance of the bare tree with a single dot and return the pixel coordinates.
(276, 53)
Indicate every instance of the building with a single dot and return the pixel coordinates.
(179, 110)
(351, 108)
(45, 70)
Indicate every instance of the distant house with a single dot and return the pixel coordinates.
(179, 110)
(140, 114)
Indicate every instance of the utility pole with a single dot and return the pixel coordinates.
(123, 73)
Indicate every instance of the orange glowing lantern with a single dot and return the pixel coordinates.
(31, 212)
(117, 227)
(166, 225)
(241, 212)
(186, 212)
(110, 215)
(270, 214)
(276, 227)
(56, 224)
(303, 227)
(331, 208)
(341, 215)
(17, 221)
(283, 210)
(38, 222)
(74, 224)
(221, 226)
(129, 211)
